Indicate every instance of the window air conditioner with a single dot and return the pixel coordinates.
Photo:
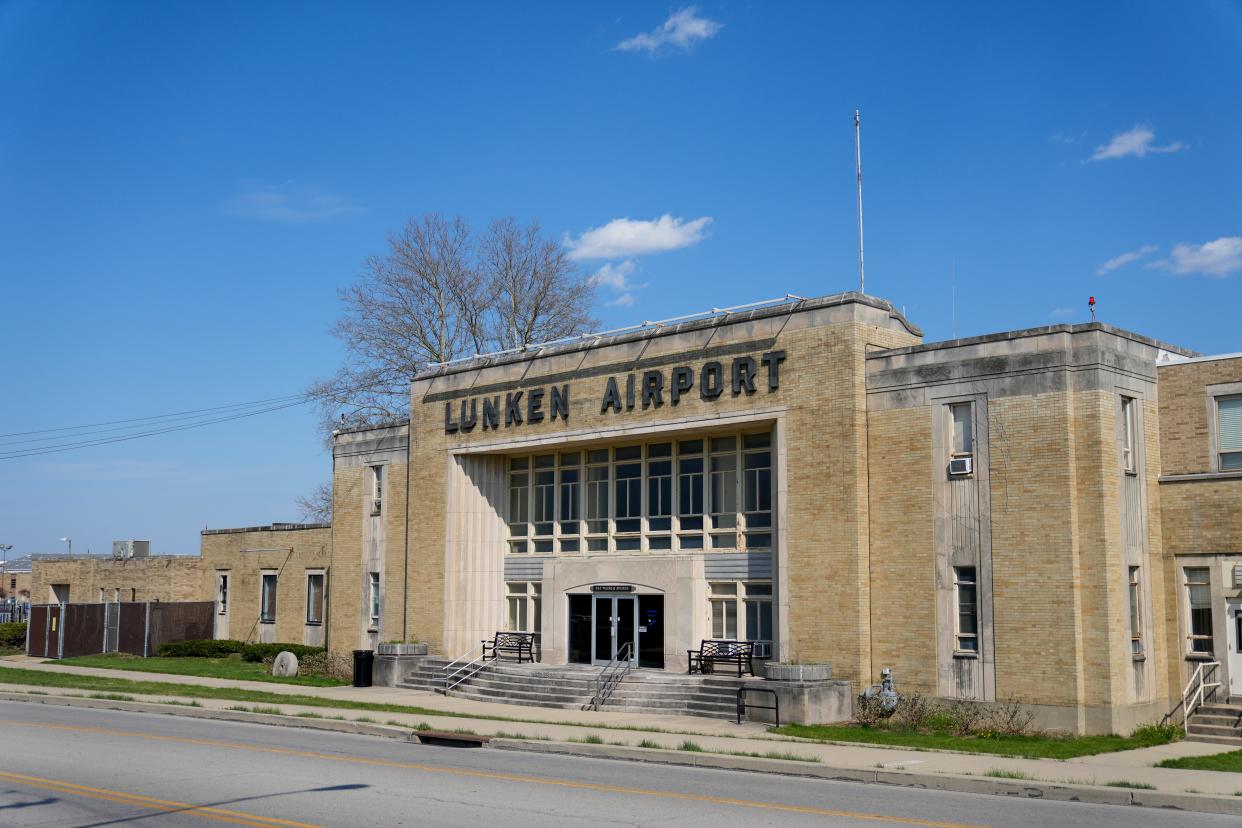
(961, 465)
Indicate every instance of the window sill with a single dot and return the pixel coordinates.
(314, 623)
(1131, 472)
(373, 630)
(1200, 657)
(1139, 657)
(267, 620)
(969, 654)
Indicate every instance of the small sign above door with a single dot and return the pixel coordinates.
(612, 588)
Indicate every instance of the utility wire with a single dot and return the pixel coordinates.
(103, 441)
(285, 398)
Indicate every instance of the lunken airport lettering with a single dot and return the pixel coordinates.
(648, 390)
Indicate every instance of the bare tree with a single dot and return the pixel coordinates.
(537, 294)
(435, 296)
(316, 506)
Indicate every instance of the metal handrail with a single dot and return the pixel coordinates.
(467, 670)
(1196, 687)
(775, 706)
(607, 681)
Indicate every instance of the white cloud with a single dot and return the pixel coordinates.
(615, 276)
(289, 204)
(1137, 142)
(624, 300)
(1125, 259)
(1061, 313)
(626, 237)
(1215, 258)
(683, 29)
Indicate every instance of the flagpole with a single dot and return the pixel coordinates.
(862, 283)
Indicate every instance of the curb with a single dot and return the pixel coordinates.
(335, 725)
(1053, 791)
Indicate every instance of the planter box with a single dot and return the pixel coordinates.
(796, 672)
(402, 650)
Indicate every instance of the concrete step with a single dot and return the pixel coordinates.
(1214, 740)
(1232, 711)
(1225, 731)
(1222, 721)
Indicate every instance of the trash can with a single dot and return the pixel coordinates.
(364, 663)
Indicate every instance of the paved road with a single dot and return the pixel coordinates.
(78, 767)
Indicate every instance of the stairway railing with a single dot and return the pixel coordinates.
(611, 676)
(1196, 689)
(459, 670)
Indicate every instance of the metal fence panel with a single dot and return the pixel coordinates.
(182, 621)
(82, 630)
(36, 632)
(131, 628)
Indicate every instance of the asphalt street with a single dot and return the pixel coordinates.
(78, 767)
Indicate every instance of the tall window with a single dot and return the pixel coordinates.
(519, 502)
(222, 593)
(1199, 599)
(377, 489)
(963, 429)
(375, 599)
(1229, 433)
(524, 601)
(267, 599)
(1136, 625)
(314, 598)
(747, 601)
(724, 610)
(658, 497)
(571, 501)
(1129, 425)
(967, 609)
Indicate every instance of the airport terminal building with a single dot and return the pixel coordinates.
(1050, 515)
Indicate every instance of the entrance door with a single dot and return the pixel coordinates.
(651, 631)
(615, 624)
(1233, 635)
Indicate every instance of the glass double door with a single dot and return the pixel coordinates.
(615, 622)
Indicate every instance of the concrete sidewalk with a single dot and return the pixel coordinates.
(711, 735)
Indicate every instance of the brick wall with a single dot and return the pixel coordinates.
(156, 578)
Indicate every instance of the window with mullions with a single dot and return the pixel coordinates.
(751, 602)
(690, 495)
(519, 502)
(1229, 433)
(967, 609)
(1199, 601)
(523, 601)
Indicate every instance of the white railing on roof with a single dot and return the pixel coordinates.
(642, 326)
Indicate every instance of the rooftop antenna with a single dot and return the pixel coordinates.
(862, 283)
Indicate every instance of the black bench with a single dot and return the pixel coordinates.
(510, 642)
(713, 651)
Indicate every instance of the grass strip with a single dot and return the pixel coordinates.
(1230, 762)
(47, 678)
(221, 668)
(1028, 747)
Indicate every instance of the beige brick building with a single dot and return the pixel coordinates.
(58, 579)
(1049, 515)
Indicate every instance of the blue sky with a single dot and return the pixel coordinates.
(185, 186)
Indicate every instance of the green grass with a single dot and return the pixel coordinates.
(1125, 783)
(648, 743)
(690, 746)
(1001, 773)
(1032, 747)
(1230, 762)
(222, 668)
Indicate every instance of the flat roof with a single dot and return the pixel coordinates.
(272, 527)
(650, 330)
(1182, 353)
(1186, 360)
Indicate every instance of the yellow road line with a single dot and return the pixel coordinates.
(162, 805)
(494, 775)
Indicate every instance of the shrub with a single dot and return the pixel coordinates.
(201, 648)
(913, 711)
(964, 716)
(327, 665)
(1008, 718)
(869, 711)
(259, 652)
(1158, 734)
(13, 635)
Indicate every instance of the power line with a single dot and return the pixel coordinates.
(285, 398)
(103, 441)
